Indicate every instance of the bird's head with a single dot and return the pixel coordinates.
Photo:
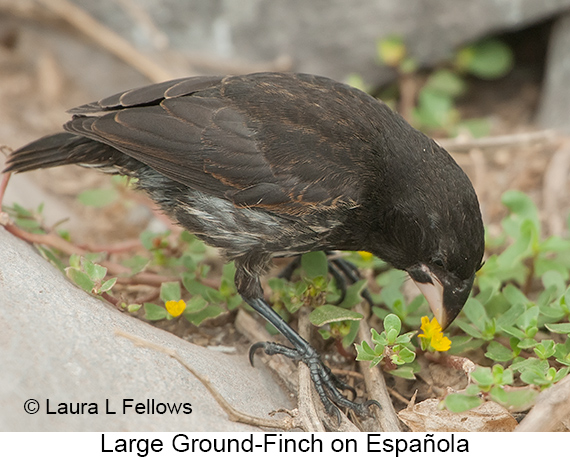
(444, 290)
(434, 231)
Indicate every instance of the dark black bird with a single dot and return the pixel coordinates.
(274, 164)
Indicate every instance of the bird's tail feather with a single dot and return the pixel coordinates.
(59, 149)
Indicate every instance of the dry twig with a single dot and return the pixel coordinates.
(308, 409)
(376, 385)
(493, 142)
(551, 407)
(107, 39)
(235, 415)
(555, 189)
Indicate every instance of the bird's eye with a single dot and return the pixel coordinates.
(438, 262)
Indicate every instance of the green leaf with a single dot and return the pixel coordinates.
(555, 244)
(30, 225)
(108, 285)
(330, 313)
(463, 343)
(314, 264)
(48, 254)
(364, 352)
(21, 211)
(133, 307)
(136, 263)
(469, 329)
(530, 364)
(528, 320)
(349, 338)
(515, 296)
(404, 355)
(195, 304)
(209, 312)
(409, 65)
(154, 312)
(553, 279)
(513, 331)
(502, 376)
(482, 376)
(195, 287)
(476, 313)
(391, 50)
(379, 338)
(152, 240)
(562, 352)
(458, 403)
(522, 205)
(513, 313)
(391, 281)
(446, 82)
(434, 108)
(405, 338)
(488, 59)
(98, 198)
(170, 291)
(498, 352)
(353, 294)
(478, 127)
(406, 372)
(392, 322)
(545, 349)
(94, 271)
(527, 343)
(518, 400)
(229, 272)
(536, 378)
(517, 251)
(561, 374)
(75, 261)
(559, 328)
(233, 302)
(80, 278)
(355, 80)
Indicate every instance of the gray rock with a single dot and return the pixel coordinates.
(58, 343)
(332, 38)
(554, 111)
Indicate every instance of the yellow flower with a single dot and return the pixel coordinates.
(432, 337)
(365, 255)
(175, 308)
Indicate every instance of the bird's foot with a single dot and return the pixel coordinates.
(326, 383)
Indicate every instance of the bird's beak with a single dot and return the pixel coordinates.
(445, 297)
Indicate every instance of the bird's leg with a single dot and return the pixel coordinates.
(339, 280)
(287, 272)
(249, 287)
(350, 271)
(326, 383)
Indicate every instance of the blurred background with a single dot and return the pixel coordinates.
(455, 69)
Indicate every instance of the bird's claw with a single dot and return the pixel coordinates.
(326, 383)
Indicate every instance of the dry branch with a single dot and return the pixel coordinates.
(376, 385)
(551, 407)
(494, 142)
(107, 39)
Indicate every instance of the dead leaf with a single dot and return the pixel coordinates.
(427, 417)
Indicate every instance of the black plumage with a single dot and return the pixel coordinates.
(274, 164)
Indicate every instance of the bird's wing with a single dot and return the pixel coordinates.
(246, 140)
